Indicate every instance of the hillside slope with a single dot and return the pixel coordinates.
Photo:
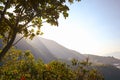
(49, 50)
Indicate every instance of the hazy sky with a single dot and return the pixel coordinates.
(93, 27)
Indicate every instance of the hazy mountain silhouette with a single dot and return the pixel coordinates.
(38, 49)
(104, 60)
(116, 54)
(50, 50)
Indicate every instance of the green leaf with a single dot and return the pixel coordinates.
(1, 7)
(65, 14)
(1, 36)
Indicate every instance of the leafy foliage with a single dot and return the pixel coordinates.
(84, 71)
(21, 65)
(24, 16)
(17, 14)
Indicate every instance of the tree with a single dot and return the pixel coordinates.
(21, 65)
(22, 16)
(84, 71)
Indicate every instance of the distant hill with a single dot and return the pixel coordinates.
(104, 60)
(116, 54)
(38, 49)
(49, 50)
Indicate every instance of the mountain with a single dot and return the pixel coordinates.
(104, 60)
(49, 50)
(116, 54)
(38, 49)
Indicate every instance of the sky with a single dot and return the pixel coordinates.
(93, 27)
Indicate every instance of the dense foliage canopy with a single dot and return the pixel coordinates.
(23, 16)
(21, 65)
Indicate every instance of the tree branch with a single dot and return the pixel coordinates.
(8, 46)
(8, 22)
(3, 13)
(18, 40)
(29, 20)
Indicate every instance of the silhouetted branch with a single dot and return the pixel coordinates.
(18, 40)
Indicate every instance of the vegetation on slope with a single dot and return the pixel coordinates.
(21, 65)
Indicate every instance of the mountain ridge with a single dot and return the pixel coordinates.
(50, 50)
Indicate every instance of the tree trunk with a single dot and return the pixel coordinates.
(8, 46)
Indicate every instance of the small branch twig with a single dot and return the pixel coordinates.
(18, 40)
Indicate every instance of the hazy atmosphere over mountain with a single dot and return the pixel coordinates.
(93, 27)
(60, 40)
(49, 50)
